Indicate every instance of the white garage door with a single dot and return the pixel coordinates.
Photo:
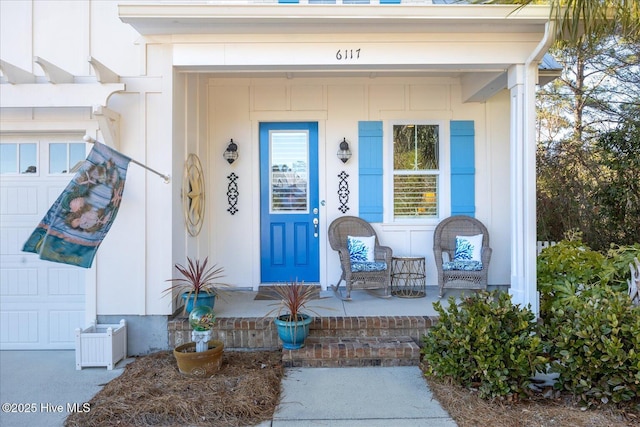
(41, 302)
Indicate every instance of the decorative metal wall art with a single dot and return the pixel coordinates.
(193, 194)
(232, 193)
(343, 192)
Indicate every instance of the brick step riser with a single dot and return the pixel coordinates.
(347, 333)
(260, 333)
(349, 363)
(339, 352)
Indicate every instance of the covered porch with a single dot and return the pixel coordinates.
(366, 331)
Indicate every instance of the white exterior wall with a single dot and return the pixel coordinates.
(136, 257)
(166, 114)
(237, 105)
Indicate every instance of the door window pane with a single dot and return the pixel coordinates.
(289, 172)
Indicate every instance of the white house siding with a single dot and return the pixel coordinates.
(193, 92)
(237, 105)
(136, 256)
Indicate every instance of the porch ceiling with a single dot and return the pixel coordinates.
(156, 18)
(481, 79)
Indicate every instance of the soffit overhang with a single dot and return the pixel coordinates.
(207, 21)
(152, 18)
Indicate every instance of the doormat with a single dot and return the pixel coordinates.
(267, 293)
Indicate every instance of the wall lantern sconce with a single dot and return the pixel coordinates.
(231, 153)
(344, 153)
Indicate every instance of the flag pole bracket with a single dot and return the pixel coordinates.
(167, 178)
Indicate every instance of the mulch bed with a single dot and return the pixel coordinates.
(246, 391)
(468, 410)
(152, 392)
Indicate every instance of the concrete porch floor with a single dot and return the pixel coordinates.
(241, 303)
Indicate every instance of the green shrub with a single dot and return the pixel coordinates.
(486, 343)
(595, 341)
(621, 257)
(564, 270)
(569, 268)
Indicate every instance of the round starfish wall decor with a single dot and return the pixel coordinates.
(193, 197)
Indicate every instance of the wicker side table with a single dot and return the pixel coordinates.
(408, 277)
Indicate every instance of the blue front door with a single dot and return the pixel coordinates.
(289, 243)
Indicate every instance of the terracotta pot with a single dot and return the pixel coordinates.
(203, 364)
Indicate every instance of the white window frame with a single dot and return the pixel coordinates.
(18, 141)
(48, 142)
(444, 174)
(43, 141)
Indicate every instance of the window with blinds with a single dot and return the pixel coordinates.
(416, 171)
(289, 172)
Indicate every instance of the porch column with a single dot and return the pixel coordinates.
(521, 82)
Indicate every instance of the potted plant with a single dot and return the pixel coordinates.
(198, 285)
(291, 322)
(202, 357)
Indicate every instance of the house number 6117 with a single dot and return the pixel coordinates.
(346, 54)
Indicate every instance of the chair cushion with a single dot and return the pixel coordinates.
(357, 267)
(361, 249)
(462, 265)
(468, 248)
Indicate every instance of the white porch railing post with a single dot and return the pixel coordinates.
(521, 83)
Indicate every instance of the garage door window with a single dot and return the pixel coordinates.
(18, 158)
(65, 157)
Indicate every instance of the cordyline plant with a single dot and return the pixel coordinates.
(196, 278)
(294, 299)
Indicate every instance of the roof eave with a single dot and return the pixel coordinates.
(180, 18)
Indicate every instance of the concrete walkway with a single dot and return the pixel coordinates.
(47, 384)
(351, 397)
(40, 388)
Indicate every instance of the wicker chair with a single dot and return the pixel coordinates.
(379, 278)
(444, 242)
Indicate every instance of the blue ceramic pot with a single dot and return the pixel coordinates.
(204, 299)
(293, 334)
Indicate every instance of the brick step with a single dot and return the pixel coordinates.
(260, 333)
(353, 351)
(371, 326)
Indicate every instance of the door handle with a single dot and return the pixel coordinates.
(315, 227)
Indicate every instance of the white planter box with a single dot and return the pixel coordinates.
(101, 345)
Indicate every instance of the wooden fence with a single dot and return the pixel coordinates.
(634, 282)
(542, 245)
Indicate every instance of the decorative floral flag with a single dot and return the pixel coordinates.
(80, 218)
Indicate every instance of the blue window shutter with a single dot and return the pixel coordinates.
(463, 193)
(370, 170)
(288, 1)
(389, 1)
